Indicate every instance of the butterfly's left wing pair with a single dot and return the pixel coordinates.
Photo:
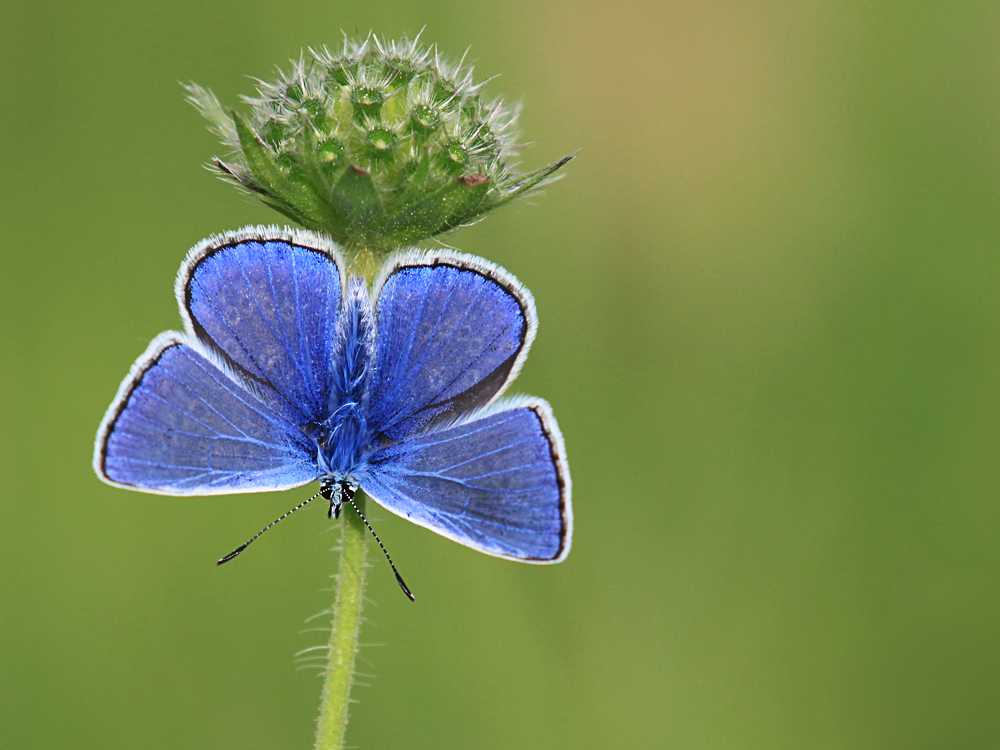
(221, 408)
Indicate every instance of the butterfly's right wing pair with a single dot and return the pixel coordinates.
(452, 332)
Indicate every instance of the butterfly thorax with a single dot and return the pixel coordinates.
(343, 437)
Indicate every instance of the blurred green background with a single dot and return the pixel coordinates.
(769, 292)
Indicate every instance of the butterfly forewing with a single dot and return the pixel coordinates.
(452, 332)
(268, 302)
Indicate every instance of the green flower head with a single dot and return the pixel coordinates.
(379, 145)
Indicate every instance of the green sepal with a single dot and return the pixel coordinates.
(356, 199)
(416, 186)
(454, 204)
(299, 197)
(477, 190)
(529, 181)
(240, 176)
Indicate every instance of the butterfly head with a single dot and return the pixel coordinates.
(338, 490)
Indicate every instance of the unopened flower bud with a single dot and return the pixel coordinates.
(380, 145)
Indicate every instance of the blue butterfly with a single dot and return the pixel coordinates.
(289, 372)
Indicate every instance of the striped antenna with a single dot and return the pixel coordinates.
(399, 578)
(242, 547)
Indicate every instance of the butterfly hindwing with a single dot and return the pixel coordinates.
(267, 300)
(182, 425)
(498, 483)
(452, 332)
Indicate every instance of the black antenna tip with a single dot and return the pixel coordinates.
(402, 585)
(232, 554)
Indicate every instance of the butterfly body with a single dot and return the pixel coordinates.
(288, 372)
(344, 438)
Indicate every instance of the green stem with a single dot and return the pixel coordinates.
(343, 646)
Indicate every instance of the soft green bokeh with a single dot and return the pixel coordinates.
(769, 293)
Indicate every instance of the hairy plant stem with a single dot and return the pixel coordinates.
(343, 647)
